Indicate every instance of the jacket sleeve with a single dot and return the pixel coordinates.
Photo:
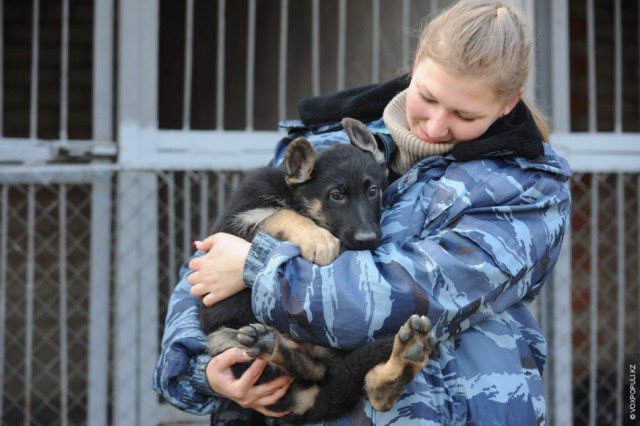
(179, 375)
(461, 247)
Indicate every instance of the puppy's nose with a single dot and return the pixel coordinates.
(366, 238)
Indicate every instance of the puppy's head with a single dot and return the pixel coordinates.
(341, 187)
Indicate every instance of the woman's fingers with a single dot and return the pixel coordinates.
(273, 391)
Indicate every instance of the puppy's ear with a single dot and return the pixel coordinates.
(299, 161)
(361, 137)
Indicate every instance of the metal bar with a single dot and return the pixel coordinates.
(282, 60)
(220, 65)
(593, 303)
(251, 58)
(99, 301)
(1, 102)
(342, 43)
(137, 97)
(137, 227)
(561, 350)
(591, 67)
(4, 245)
(103, 70)
(187, 208)
(235, 181)
(171, 226)
(315, 47)
(29, 300)
(147, 289)
(406, 26)
(561, 106)
(47, 174)
(62, 280)
(220, 195)
(621, 275)
(599, 151)
(375, 41)
(126, 342)
(204, 204)
(35, 50)
(64, 72)
(617, 28)
(188, 66)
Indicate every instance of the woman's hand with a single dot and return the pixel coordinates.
(244, 391)
(218, 274)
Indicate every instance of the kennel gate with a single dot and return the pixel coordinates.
(81, 213)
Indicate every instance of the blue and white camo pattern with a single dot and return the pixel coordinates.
(467, 243)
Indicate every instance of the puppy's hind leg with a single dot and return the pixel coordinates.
(411, 348)
(266, 343)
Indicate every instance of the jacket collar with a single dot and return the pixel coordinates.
(514, 135)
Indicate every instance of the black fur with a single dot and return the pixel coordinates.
(340, 190)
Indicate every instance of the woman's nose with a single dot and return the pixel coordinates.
(437, 126)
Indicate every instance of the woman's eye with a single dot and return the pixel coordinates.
(427, 100)
(336, 195)
(465, 119)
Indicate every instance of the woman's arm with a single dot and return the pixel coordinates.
(192, 380)
(458, 249)
(180, 373)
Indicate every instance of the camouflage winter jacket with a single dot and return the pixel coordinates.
(468, 243)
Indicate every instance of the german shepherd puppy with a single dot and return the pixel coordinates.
(323, 203)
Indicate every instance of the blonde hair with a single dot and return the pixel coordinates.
(483, 38)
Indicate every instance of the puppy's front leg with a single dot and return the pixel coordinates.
(317, 244)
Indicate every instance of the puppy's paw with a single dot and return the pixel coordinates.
(415, 341)
(318, 245)
(258, 340)
(412, 346)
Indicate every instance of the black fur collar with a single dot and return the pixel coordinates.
(514, 135)
(363, 103)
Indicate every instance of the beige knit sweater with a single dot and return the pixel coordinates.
(410, 148)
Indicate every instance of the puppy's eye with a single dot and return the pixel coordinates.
(373, 191)
(336, 195)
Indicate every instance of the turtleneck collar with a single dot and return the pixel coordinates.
(409, 148)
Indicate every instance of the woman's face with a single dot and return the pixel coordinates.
(445, 108)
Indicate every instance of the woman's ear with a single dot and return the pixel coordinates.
(512, 103)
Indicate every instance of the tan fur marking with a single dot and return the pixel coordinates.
(385, 382)
(221, 339)
(316, 212)
(305, 399)
(317, 244)
(252, 218)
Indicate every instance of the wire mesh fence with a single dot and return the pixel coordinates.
(189, 203)
(605, 293)
(45, 305)
(59, 358)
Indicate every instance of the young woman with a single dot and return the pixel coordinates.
(472, 222)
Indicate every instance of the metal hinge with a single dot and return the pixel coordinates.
(83, 151)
